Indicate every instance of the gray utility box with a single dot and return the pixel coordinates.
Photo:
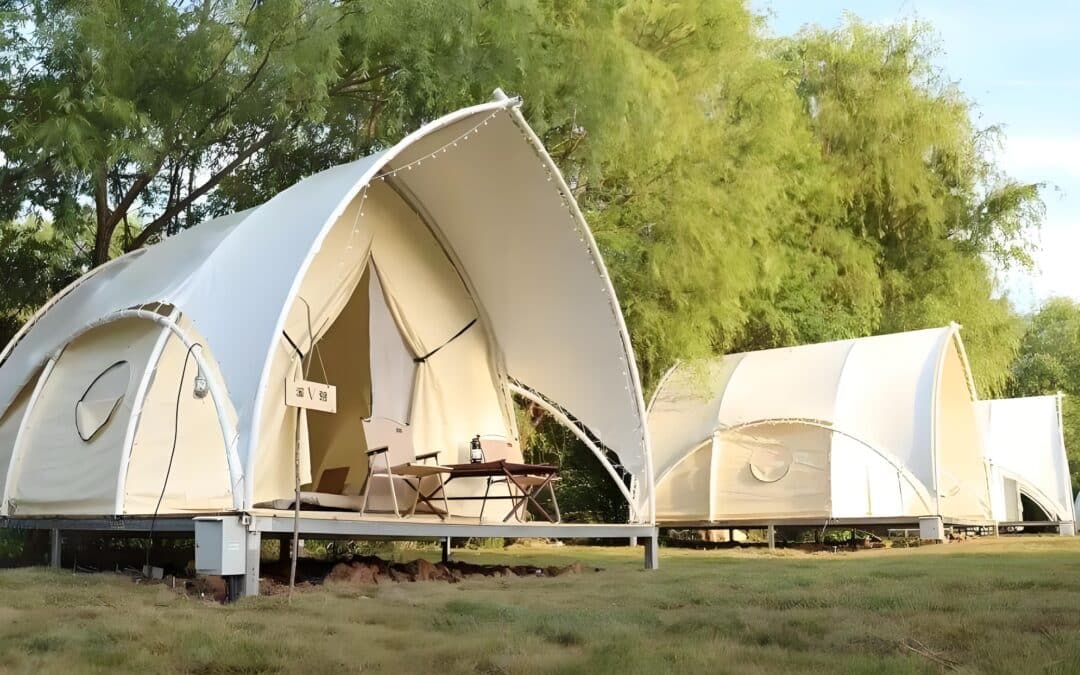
(220, 546)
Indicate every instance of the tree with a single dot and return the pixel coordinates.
(148, 107)
(917, 182)
(38, 262)
(1049, 362)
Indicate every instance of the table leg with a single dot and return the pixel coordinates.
(554, 500)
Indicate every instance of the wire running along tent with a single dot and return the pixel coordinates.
(1025, 449)
(876, 427)
(430, 283)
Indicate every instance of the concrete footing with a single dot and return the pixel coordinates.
(1067, 529)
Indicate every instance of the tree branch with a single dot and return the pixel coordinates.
(181, 204)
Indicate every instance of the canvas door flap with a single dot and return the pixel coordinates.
(456, 398)
(423, 290)
(331, 280)
(455, 394)
(393, 369)
(330, 284)
(337, 439)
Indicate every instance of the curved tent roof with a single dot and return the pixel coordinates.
(865, 415)
(497, 207)
(1025, 447)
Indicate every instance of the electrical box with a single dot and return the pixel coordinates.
(220, 546)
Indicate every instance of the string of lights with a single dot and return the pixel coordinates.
(566, 199)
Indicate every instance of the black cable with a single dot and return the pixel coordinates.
(172, 453)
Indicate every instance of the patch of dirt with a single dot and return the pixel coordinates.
(363, 570)
(375, 570)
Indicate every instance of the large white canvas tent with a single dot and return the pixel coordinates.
(429, 283)
(877, 427)
(1025, 448)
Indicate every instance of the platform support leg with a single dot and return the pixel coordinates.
(652, 550)
(931, 528)
(1067, 529)
(771, 536)
(445, 549)
(254, 551)
(54, 549)
(633, 542)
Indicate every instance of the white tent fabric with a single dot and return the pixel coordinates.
(881, 426)
(469, 220)
(1025, 447)
(393, 370)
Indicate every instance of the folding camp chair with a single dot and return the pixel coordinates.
(393, 459)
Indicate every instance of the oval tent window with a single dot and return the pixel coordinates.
(101, 399)
(770, 463)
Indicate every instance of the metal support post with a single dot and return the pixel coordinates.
(253, 553)
(54, 548)
(652, 550)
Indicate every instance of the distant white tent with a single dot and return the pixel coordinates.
(877, 427)
(1025, 448)
(429, 282)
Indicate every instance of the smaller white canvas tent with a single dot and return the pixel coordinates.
(1025, 448)
(863, 429)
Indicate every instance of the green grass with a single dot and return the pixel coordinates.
(995, 606)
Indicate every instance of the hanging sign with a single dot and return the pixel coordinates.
(311, 395)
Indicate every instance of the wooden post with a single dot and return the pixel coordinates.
(772, 537)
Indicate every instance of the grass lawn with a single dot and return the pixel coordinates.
(1007, 605)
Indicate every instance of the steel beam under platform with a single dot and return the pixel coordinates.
(338, 525)
(770, 524)
(762, 523)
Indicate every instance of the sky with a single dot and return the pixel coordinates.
(1020, 64)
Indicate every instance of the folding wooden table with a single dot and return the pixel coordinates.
(529, 479)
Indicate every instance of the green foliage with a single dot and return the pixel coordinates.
(1049, 362)
(916, 183)
(37, 261)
